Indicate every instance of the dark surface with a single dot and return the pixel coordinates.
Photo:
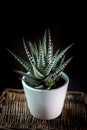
(66, 27)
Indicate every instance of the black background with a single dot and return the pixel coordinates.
(67, 25)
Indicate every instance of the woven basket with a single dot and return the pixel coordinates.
(15, 115)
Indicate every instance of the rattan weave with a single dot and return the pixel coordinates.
(15, 115)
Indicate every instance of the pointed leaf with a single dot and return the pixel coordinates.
(44, 43)
(31, 59)
(61, 68)
(26, 65)
(62, 53)
(41, 58)
(50, 48)
(37, 73)
(34, 51)
(31, 80)
(59, 63)
(51, 64)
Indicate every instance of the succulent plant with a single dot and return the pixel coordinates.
(43, 66)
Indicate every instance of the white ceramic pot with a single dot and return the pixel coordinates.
(46, 104)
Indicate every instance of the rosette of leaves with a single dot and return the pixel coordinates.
(44, 67)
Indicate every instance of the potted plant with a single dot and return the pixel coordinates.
(44, 82)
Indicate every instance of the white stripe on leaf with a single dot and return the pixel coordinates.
(31, 58)
(50, 48)
(25, 64)
(61, 68)
(41, 57)
(51, 64)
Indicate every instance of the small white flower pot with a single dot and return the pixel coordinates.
(46, 104)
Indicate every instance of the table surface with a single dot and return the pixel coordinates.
(15, 115)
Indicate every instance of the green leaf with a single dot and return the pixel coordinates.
(37, 73)
(31, 58)
(34, 52)
(30, 79)
(51, 64)
(44, 46)
(50, 48)
(61, 68)
(41, 57)
(62, 53)
(59, 63)
(50, 83)
(25, 64)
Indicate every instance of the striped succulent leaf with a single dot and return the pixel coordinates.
(36, 55)
(41, 58)
(56, 58)
(25, 64)
(37, 73)
(50, 48)
(61, 54)
(43, 68)
(59, 63)
(32, 82)
(44, 44)
(30, 57)
(31, 47)
(51, 64)
(34, 52)
(31, 78)
(61, 68)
